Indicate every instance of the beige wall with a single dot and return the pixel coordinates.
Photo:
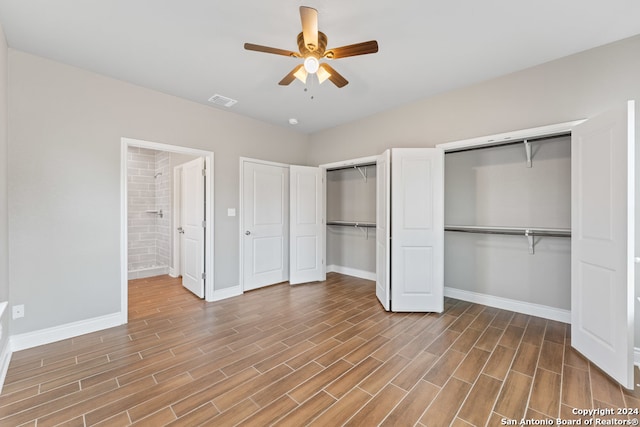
(575, 87)
(64, 149)
(64, 181)
(4, 230)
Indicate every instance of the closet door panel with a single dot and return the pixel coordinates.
(603, 232)
(383, 229)
(417, 224)
(307, 224)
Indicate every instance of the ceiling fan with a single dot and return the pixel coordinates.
(312, 46)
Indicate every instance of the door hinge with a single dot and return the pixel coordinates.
(204, 276)
(204, 172)
(204, 224)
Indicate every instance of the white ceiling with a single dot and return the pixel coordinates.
(194, 48)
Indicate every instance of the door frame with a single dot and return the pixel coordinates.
(338, 165)
(208, 156)
(175, 270)
(557, 314)
(242, 162)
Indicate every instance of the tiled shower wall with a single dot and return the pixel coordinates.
(149, 182)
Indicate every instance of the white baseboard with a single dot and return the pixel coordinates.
(636, 356)
(532, 309)
(63, 332)
(220, 294)
(173, 273)
(148, 272)
(351, 272)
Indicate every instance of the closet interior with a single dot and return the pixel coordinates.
(351, 220)
(507, 216)
(508, 221)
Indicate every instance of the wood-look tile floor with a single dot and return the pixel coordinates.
(321, 354)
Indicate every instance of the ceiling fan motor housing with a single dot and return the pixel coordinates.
(319, 51)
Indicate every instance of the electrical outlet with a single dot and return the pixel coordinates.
(18, 311)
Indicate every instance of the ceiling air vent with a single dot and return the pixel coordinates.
(223, 101)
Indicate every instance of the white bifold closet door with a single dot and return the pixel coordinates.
(306, 263)
(415, 253)
(383, 229)
(602, 241)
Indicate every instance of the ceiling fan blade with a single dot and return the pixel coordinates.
(267, 49)
(335, 77)
(352, 50)
(291, 76)
(309, 18)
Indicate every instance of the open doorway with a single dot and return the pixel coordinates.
(154, 210)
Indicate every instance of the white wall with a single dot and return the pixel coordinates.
(66, 126)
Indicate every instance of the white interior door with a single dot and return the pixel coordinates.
(307, 225)
(265, 217)
(192, 220)
(417, 229)
(383, 229)
(602, 241)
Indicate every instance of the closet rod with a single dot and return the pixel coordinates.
(352, 224)
(511, 231)
(529, 233)
(510, 142)
(359, 165)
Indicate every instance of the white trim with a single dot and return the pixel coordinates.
(350, 162)
(636, 356)
(631, 225)
(176, 268)
(242, 161)
(263, 162)
(5, 359)
(225, 293)
(362, 274)
(63, 332)
(5, 352)
(209, 209)
(148, 272)
(489, 140)
(529, 308)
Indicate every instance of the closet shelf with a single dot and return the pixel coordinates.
(528, 152)
(529, 232)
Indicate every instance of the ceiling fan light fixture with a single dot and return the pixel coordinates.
(312, 47)
(301, 74)
(323, 75)
(311, 64)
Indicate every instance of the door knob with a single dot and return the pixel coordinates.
(247, 233)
